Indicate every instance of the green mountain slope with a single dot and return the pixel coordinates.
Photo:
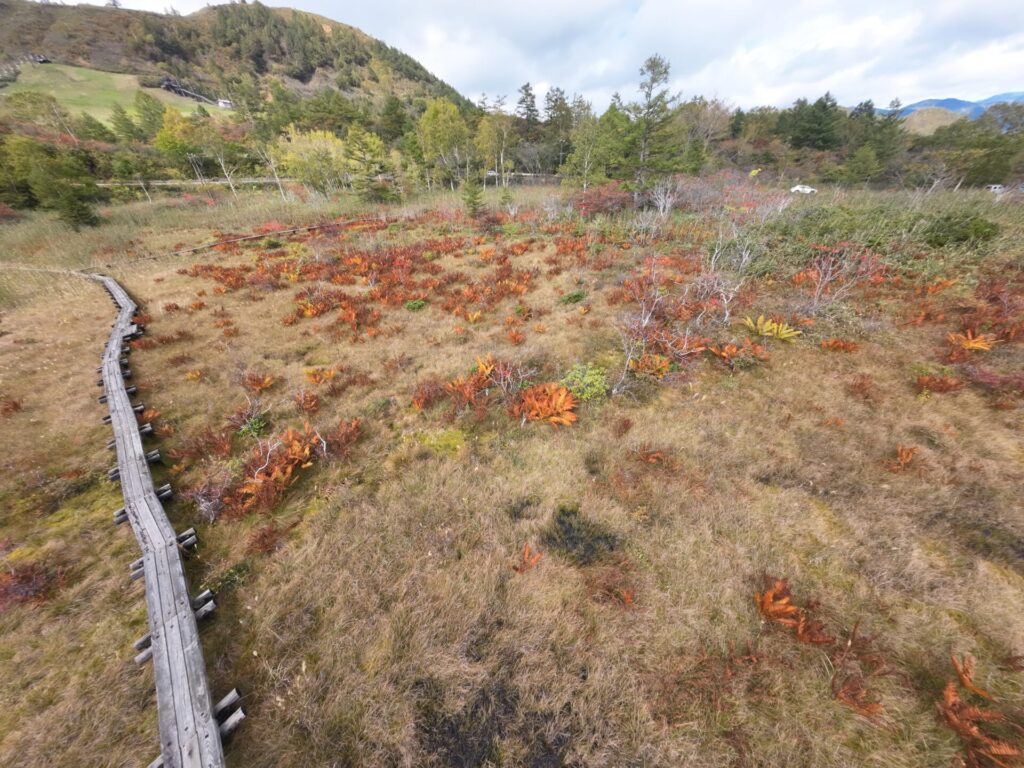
(79, 89)
(222, 51)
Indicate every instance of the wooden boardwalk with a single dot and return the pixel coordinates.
(191, 726)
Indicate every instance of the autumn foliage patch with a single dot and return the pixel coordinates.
(973, 724)
(274, 465)
(552, 403)
(775, 604)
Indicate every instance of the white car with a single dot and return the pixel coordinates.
(803, 189)
(997, 189)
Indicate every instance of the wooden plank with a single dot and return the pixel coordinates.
(189, 731)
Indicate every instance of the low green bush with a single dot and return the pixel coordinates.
(958, 228)
(586, 382)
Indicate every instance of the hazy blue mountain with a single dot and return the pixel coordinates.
(970, 109)
(958, 106)
(1001, 97)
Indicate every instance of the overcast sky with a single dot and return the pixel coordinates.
(747, 52)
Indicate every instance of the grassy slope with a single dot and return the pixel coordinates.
(926, 121)
(79, 89)
(388, 628)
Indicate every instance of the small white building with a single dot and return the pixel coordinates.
(225, 104)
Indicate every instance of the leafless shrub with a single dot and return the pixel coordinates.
(664, 196)
(510, 379)
(652, 326)
(835, 271)
(645, 227)
(720, 287)
(208, 496)
(555, 208)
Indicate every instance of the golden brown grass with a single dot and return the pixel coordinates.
(382, 621)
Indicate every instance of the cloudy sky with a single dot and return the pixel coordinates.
(747, 52)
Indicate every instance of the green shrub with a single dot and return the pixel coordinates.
(573, 298)
(957, 228)
(415, 305)
(76, 212)
(253, 427)
(576, 538)
(586, 382)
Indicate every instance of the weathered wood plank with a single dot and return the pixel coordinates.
(190, 735)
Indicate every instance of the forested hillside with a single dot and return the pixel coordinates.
(224, 50)
(322, 106)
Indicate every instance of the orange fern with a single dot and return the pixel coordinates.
(904, 455)
(551, 402)
(840, 345)
(527, 559)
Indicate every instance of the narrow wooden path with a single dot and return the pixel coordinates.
(191, 726)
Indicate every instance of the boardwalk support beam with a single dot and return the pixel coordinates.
(190, 731)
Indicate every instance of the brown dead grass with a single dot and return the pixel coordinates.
(374, 617)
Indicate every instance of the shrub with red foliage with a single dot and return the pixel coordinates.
(1012, 383)
(307, 401)
(1001, 311)
(207, 443)
(341, 439)
(938, 384)
(267, 538)
(429, 392)
(605, 199)
(28, 583)
(8, 214)
(270, 226)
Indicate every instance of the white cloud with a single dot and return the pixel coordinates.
(747, 52)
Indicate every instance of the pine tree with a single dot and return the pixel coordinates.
(558, 122)
(652, 120)
(473, 196)
(815, 126)
(123, 125)
(88, 127)
(150, 111)
(75, 211)
(526, 110)
(394, 122)
(862, 166)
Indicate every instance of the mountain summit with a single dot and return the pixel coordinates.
(221, 49)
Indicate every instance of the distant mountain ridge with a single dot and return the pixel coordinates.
(969, 109)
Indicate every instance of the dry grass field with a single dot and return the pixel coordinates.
(521, 491)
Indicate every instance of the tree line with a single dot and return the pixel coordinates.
(382, 151)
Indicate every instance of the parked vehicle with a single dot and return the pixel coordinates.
(996, 189)
(803, 189)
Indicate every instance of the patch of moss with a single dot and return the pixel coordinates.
(227, 579)
(448, 442)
